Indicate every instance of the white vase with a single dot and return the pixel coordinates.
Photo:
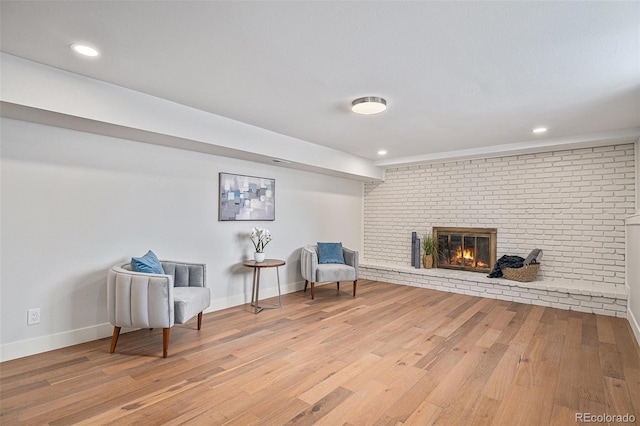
(259, 257)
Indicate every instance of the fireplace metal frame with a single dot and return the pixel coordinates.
(492, 233)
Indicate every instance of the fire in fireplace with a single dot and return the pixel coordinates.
(469, 249)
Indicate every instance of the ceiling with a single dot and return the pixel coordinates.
(456, 75)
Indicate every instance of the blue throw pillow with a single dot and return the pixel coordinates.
(330, 253)
(148, 263)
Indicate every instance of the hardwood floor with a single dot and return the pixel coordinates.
(393, 355)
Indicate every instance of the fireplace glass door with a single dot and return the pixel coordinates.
(471, 249)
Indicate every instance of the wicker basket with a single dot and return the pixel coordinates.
(525, 274)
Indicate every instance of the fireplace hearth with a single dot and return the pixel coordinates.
(467, 249)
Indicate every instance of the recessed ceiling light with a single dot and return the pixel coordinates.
(539, 130)
(382, 152)
(84, 50)
(368, 105)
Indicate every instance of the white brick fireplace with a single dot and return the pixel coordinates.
(572, 204)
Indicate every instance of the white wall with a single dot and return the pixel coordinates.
(633, 273)
(572, 204)
(74, 203)
(633, 257)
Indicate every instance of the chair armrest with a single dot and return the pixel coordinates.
(308, 263)
(139, 300)
(351, 258)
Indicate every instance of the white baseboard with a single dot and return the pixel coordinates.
(50, 342)
(633, 321)
(64, 339)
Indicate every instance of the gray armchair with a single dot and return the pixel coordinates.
(141, 300)
(314, 272)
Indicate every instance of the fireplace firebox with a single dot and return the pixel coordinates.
(468, 249)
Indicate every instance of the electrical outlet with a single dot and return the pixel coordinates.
(33, 316)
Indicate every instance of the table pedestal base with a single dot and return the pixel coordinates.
(257, 266)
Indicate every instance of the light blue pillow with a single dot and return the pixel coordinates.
(148, 263)
(330, 253)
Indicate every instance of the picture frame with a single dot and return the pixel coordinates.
(248, 198)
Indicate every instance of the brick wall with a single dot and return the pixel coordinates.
(572, 204)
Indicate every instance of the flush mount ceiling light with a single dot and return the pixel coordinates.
(368, 105)
(539, 130)
(382, 152)
(84, 50)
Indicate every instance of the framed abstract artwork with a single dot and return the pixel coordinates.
(246, 198)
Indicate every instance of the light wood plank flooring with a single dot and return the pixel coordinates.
(393, 355)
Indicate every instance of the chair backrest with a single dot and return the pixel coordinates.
(185, 274)
(350, 256)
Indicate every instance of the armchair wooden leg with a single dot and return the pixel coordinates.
(199, 320)
(114, 339)
(354, 287)
(305, 285)
(165, 342)
(338, 282)
(313, 292)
